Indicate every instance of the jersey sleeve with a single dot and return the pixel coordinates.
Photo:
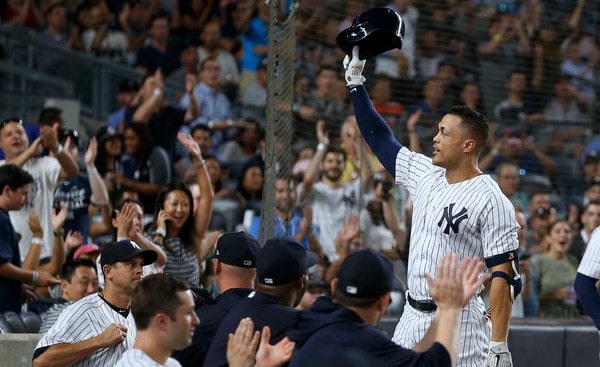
(590, 263)
(498, 226)
(410, 168)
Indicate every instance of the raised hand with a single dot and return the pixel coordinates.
(354, 67)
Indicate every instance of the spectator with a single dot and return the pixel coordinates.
(244, 144)
(110, 148)
(25, 13)
(514, 147)
(48, 173)
(526, 304)
(133, 19)
(201, 135)
(470, 95)
(360, 160)
(250, 188)
(556, 271)
(580, 70)
(229, 73)
(82, 190)
(254, 100)
(500, 53)
(128, 90)
(281, 268)
(78, 279)
(190, 17)
(590, 220)
(16, 184)
(235, 272)
(331, 199)
(214, 106)
(428, 53)
(157, 55)
(507, 177)
(291, 220)
(163, 308)
(252, 26)
(164, 121)
(381, 93)
(320, 103)
(109, 329)
(539, 216)
(188, 57)
(144, 168)
(175, 226)
(432, 107)
(394, 61)
(98, 39)
(516, 108)
(379, 223)
(54, 34)
(346, 325)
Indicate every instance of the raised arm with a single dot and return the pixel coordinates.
(207, 196)
(312, 171)
(68, 166)
(99, 190)
(374, 128)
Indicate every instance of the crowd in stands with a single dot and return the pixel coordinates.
(174, 171)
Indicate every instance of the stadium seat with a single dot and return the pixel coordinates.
(5, 327)
(15, 322)
(32, 322)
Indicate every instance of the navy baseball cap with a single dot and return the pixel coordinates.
(125, 250)
(367, 273)
(237, 249)
(283, 260)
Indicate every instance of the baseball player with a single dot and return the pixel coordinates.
(588, 275)
(98, 329)
(456, 209)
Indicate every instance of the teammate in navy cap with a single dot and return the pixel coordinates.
(235, 272)
(98, 329)
(345, 326)
(281, 266)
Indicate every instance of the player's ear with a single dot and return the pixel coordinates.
(469, 145)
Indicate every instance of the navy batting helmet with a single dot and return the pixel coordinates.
(375, 31)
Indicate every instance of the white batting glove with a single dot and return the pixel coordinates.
(499, 356)
(354, 67)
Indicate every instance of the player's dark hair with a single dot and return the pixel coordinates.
(475, 123)
(69, 267)
(14, 177)
(334, 149)
(348, 301)
(156, 293)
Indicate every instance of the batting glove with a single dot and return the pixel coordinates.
(499, 356)
(354, 67)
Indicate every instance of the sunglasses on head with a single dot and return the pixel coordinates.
(15, 119)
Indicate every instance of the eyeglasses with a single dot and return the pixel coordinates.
(543, 212)
(14, 119)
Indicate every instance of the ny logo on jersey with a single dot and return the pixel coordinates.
(452, 220)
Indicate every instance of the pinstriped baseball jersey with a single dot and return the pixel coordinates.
(469, 218)
(590, 263)
(137, 358)
(85, 319)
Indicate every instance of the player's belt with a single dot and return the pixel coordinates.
(423, 306)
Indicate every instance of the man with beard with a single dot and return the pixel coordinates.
(332, 200)
(291, 220)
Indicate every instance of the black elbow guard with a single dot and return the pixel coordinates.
(516, 284)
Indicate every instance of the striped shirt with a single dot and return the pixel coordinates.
(590, 263)
(469, 218)
(182, 262)
(85, 319)
(52, 315)
(137, 358)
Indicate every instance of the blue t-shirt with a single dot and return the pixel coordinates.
(77, 194)
(10, 289)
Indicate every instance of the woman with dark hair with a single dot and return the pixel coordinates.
(176, 228)
(144, 168)
(250, 188)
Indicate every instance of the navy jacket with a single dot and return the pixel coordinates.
(264, 310)
(211, 316)
(332, 335)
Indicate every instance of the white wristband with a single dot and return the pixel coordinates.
(321, 147)
(157, 92)
(160, 232)
(37, 241)
(59, 150)
(34, 278)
